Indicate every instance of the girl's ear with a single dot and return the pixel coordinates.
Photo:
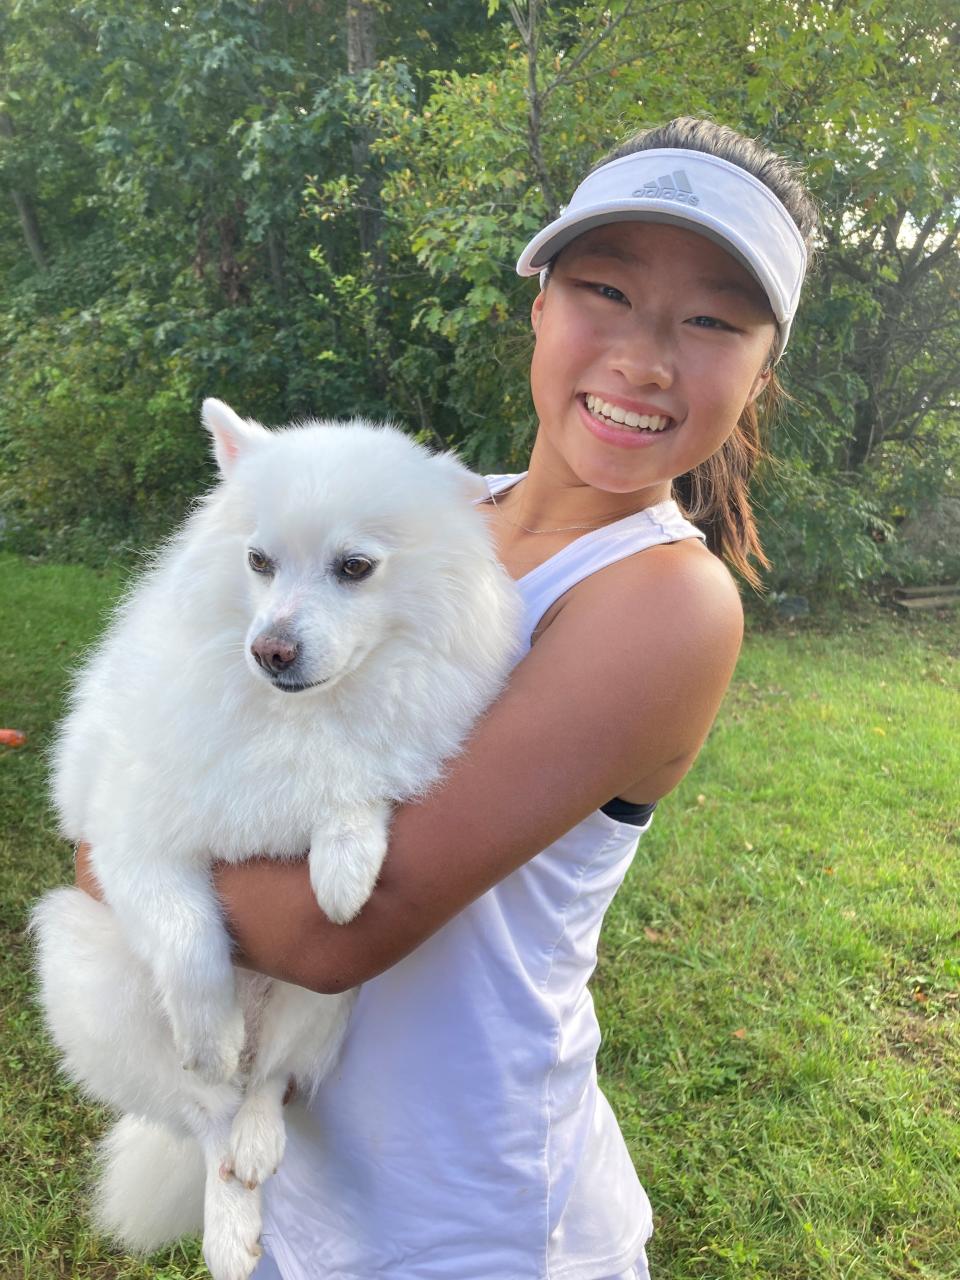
(759, 382)
(232, 436)
(536, 311)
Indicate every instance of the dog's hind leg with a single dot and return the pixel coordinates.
(172, 920)
(298, 1039)
(259, 1135)
(101, 1008)
(232, 1213)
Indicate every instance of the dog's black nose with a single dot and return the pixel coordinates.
(274, 652)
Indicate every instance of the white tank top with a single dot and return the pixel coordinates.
(462, 1135)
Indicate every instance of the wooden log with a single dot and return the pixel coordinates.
(906, 593)
(928, 602)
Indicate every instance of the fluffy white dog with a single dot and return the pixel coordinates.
(309, 649)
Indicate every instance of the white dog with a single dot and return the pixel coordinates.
(309, 649)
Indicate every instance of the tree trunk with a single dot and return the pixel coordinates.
(25, 207)
(362, 56)
(361, 36)
(275, 251)
(528, 27)
(873, 366)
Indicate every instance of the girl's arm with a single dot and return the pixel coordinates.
(617, 695)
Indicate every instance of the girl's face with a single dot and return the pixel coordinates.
(652, 320)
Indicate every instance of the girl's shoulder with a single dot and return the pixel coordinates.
(673, 587)
(684, 575)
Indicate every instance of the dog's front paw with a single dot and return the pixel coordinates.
(344, 867)
(211, 1064)
(339, 902)
(257, 1139)
(213, 1052)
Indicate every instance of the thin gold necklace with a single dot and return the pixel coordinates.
(567, 528)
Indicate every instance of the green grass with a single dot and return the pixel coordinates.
(48, 615)
(779, 979)
(780, 975)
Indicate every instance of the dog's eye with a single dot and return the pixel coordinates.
(353, 568)
(258, 562)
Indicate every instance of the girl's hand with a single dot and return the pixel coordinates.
(84, 878)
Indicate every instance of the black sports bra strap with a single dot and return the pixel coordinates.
(637, 815)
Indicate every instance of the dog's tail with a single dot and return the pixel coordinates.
(150, 1186)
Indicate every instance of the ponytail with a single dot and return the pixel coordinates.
(716, 494)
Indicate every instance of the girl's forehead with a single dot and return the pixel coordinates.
(631, 240)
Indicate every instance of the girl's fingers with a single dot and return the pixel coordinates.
(84, 878)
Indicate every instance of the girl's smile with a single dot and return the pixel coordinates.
(618, 424)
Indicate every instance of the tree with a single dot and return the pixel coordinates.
(24, 205)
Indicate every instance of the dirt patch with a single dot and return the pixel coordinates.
(928, 1042)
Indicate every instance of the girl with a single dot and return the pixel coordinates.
(462, 1135)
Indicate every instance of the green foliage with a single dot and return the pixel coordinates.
(818, 529)
(96, 430)
(204, 178)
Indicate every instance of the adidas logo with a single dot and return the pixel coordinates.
(672, 186)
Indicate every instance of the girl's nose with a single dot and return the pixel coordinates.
(643, 357)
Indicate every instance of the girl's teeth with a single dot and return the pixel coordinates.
(644, 421)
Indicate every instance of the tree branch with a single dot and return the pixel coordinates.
(916, 250)
(941, 251)
(604, 34)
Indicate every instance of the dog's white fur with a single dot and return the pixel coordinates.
(180, 749)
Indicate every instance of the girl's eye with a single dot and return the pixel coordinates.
(608, 291)
(258, 562)
(355, 568)
(710, 322)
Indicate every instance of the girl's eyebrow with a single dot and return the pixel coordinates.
(748, 291)
(604, 249)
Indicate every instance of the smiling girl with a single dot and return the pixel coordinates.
(463, 1135)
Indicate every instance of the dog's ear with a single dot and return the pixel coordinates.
(232, 436)
(468, 482)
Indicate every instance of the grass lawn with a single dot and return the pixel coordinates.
(779, 979)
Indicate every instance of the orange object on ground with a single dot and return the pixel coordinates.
(12, 738)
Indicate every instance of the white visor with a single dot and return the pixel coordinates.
(698, 191)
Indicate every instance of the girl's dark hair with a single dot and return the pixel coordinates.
(715, 495)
